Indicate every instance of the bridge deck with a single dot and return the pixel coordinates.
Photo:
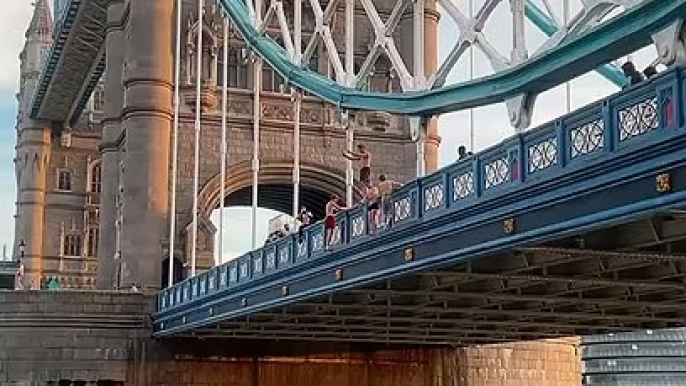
(510, 244)
(75, 62)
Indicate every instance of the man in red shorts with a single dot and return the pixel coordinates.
(333, 206)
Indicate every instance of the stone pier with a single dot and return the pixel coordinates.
(103, 338)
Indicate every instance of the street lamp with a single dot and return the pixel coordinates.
(22, 248)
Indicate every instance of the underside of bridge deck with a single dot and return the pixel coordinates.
(631, 276)
(74, 64)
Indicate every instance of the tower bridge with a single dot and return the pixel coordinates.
(137, 119)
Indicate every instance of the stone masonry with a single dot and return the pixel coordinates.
(83, 337)
(100, 187)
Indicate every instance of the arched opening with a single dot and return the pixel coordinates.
(275, 196)
(178, 271)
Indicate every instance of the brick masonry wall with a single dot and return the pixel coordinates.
(46, 337)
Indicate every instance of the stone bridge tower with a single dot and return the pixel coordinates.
(136, 137)
(114, 163)
(57, 174)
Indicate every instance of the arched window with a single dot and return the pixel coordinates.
(71, 246)
(209, 56)
(95, 177)
(64, 180)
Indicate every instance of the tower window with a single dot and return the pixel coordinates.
(64, 180)
(237, 68)
(99, 100)
(95, 177)
(272, 81)
(72, 245)
(92, 240)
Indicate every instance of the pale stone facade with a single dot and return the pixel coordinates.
(58, 177)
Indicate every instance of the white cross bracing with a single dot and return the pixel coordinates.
(589, 14)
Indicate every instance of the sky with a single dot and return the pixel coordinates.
(490, 125)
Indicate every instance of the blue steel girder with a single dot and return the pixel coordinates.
(608, 166)
(75, 62)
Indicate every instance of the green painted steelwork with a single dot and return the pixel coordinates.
(548, 27)
(573, 57)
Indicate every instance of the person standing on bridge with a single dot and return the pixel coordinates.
(305, 218)
(19, 276)
(333, 206)
(372, 199)
(364, 160)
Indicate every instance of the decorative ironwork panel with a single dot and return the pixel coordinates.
(302, 249)
(203, 285)
(186, 292)
(271, 260)
(359, 225)
(496, 173)
(337, 236)
(223, 277)
(433, 197)
(638, 119)
(164, 301)
(284, 255)
(317, 241)
(194, 290)
(402, 209)
(233, 274)
(257, 265)
(244, 270)
(177, 295)
(587, 138)
(212, 280)
(542, 155)
(463, 185)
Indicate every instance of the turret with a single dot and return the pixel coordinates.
(33, 146)
(39, 37)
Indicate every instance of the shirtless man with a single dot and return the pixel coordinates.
(333, 206)
(364, 161)
(371, 198)
(386, 187)
(305, 218)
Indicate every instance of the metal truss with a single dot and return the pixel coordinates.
(472, 33)
(532, 293)
(75, 62)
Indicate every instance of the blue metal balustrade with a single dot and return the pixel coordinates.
(605, 164)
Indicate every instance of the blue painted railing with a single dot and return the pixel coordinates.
(618, 125)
